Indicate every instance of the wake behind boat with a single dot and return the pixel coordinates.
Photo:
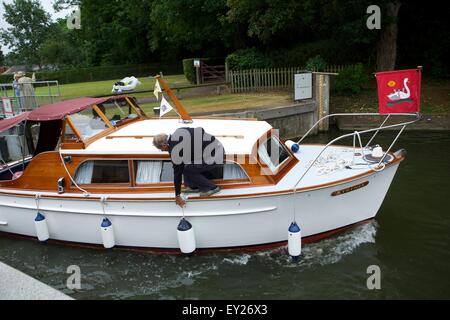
(95, 178)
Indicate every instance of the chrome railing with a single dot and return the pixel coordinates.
(357, 135)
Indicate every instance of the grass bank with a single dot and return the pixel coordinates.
(228, 102)
(83, 89)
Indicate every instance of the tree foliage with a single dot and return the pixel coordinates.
(29, 26)
(272, 32)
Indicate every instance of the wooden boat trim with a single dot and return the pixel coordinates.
(78, 196)
(74, 129)
(138, 110)
(102, 115)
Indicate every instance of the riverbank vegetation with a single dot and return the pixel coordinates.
(270, 33)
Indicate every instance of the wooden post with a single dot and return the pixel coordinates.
(323, 99)
(181, 110)
(227, 76)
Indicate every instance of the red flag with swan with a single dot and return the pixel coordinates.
(399, 91)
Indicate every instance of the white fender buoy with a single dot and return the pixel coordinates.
(186, 237)
(107, 234)
(295, 241)
(293, 146)
(40, 224)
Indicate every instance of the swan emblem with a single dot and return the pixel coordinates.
(403, 94)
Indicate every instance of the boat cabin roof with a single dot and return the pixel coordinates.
(55, 111)
(237, 136)
(59, 110)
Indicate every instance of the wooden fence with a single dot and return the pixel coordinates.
(267, 79)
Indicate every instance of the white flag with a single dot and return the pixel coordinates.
(157, 90)
(165, 107)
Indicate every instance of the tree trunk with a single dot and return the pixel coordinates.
(387, 43)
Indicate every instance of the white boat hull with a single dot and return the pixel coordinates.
(218, 223)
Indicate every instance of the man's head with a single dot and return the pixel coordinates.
(160, 141)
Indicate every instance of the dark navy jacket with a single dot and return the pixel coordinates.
(187, 147)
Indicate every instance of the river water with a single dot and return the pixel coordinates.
(409, 241)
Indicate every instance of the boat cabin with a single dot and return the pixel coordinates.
(105, 145)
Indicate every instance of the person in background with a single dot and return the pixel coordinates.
(26, 91)
(16, 88)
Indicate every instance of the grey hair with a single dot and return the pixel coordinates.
(160, 140)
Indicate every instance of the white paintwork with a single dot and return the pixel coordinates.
(250, 130)
(235, 217)
(151, 223)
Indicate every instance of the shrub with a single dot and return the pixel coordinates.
(351, 79)
(316, 63)
(247, 59)
(189, 70)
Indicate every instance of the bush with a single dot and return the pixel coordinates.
(189, 70)
(247, 59)
(316, 63)
(351, 79)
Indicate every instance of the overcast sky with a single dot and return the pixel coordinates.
(48, 6)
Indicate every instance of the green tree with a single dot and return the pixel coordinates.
(190, 27)
(115, 32)
(2, 58)
(29, 29)
(63, 47)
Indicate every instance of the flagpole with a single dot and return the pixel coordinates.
(179, 107)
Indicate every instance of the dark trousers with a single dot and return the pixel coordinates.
(194, 176)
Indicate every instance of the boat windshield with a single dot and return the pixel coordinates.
(97, 118)
(273, 153)
(88, 122)
(119, 111)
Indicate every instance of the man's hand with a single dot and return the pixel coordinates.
(180, 201)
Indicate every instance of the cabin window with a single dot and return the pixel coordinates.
(273, 153)
(69, 135)
(103, 172)
(88, 122)
(118, 110)
(154, 171)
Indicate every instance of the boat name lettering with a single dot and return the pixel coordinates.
(350, 189)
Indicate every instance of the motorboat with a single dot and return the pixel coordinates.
(93, 178)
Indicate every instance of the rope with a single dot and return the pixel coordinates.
(38, 196)
(330, 163)
(185, 198)
(86, 194)
(103, 201)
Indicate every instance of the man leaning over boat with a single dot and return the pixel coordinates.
(194, 153)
